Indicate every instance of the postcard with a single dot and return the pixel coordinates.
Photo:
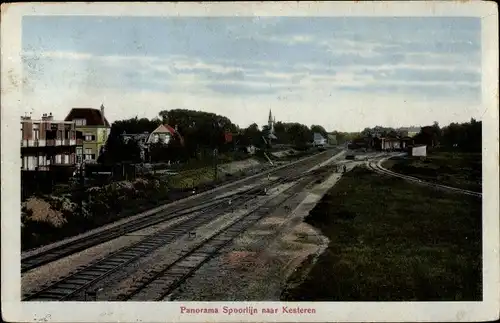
(250, 162)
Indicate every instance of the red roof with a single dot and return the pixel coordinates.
(93, 117)
(165, 127)
(172, 130)
(228, 137)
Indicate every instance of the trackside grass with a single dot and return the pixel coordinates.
(456, 169)
(391, 240)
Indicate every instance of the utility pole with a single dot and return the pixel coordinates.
(216, 157)
(82, 187)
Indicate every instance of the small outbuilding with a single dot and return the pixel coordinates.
(418, 151)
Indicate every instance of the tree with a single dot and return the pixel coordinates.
(252, 135)
(429, 135)
(465, 136)
(132, 151)
(116, 149)
(319, 129)
(202, 131)
(300, 135)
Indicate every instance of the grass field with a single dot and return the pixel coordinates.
(391, 240)
(192, 178)
(461, 170)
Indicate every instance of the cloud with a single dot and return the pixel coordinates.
(339, 110)
(291, 62)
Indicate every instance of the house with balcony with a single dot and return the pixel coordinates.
(95, 130)
(47, 143)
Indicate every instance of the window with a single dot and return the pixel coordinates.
(89, 155)
(89, 137)
(36, 132)
(79, 151)
(80, 122)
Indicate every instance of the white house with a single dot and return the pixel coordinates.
(163, 133)
(318, 139)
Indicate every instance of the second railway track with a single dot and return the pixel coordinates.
(70, 286)
(66, 249)
(375, 166)
(163, 282)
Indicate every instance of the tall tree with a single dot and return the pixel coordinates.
(319, 129)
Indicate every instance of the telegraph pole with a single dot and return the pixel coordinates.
(216, 157)
(82, 187)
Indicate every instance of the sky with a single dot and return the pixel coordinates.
(344, 73)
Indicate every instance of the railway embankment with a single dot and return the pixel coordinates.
(390, 239)
(49, 218)
(125, 206)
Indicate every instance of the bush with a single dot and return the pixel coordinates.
(100, 205)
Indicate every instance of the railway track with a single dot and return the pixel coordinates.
(58, 252)
(72, 285)
(161, 283)
(377, 167)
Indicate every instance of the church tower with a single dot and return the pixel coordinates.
(270, 122)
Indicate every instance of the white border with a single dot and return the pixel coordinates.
(14, 310)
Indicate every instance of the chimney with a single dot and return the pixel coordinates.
(46, 117)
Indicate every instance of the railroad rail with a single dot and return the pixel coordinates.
(161, 283)
(63, 250)
(70, 286)
(377, 167)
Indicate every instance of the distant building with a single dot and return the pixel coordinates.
(95, 128)
(318, 139)
(141, 140)
(164, 133)
(418, 151)
(409, 131)
(394, 143)
(332, 139)
(47, 143)
(270, 123)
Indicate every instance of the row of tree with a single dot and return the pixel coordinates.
(465, 136)
(458, 136)
(199, 133)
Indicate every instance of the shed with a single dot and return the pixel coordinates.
(418, 151)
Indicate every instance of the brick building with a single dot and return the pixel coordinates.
(48, 143)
